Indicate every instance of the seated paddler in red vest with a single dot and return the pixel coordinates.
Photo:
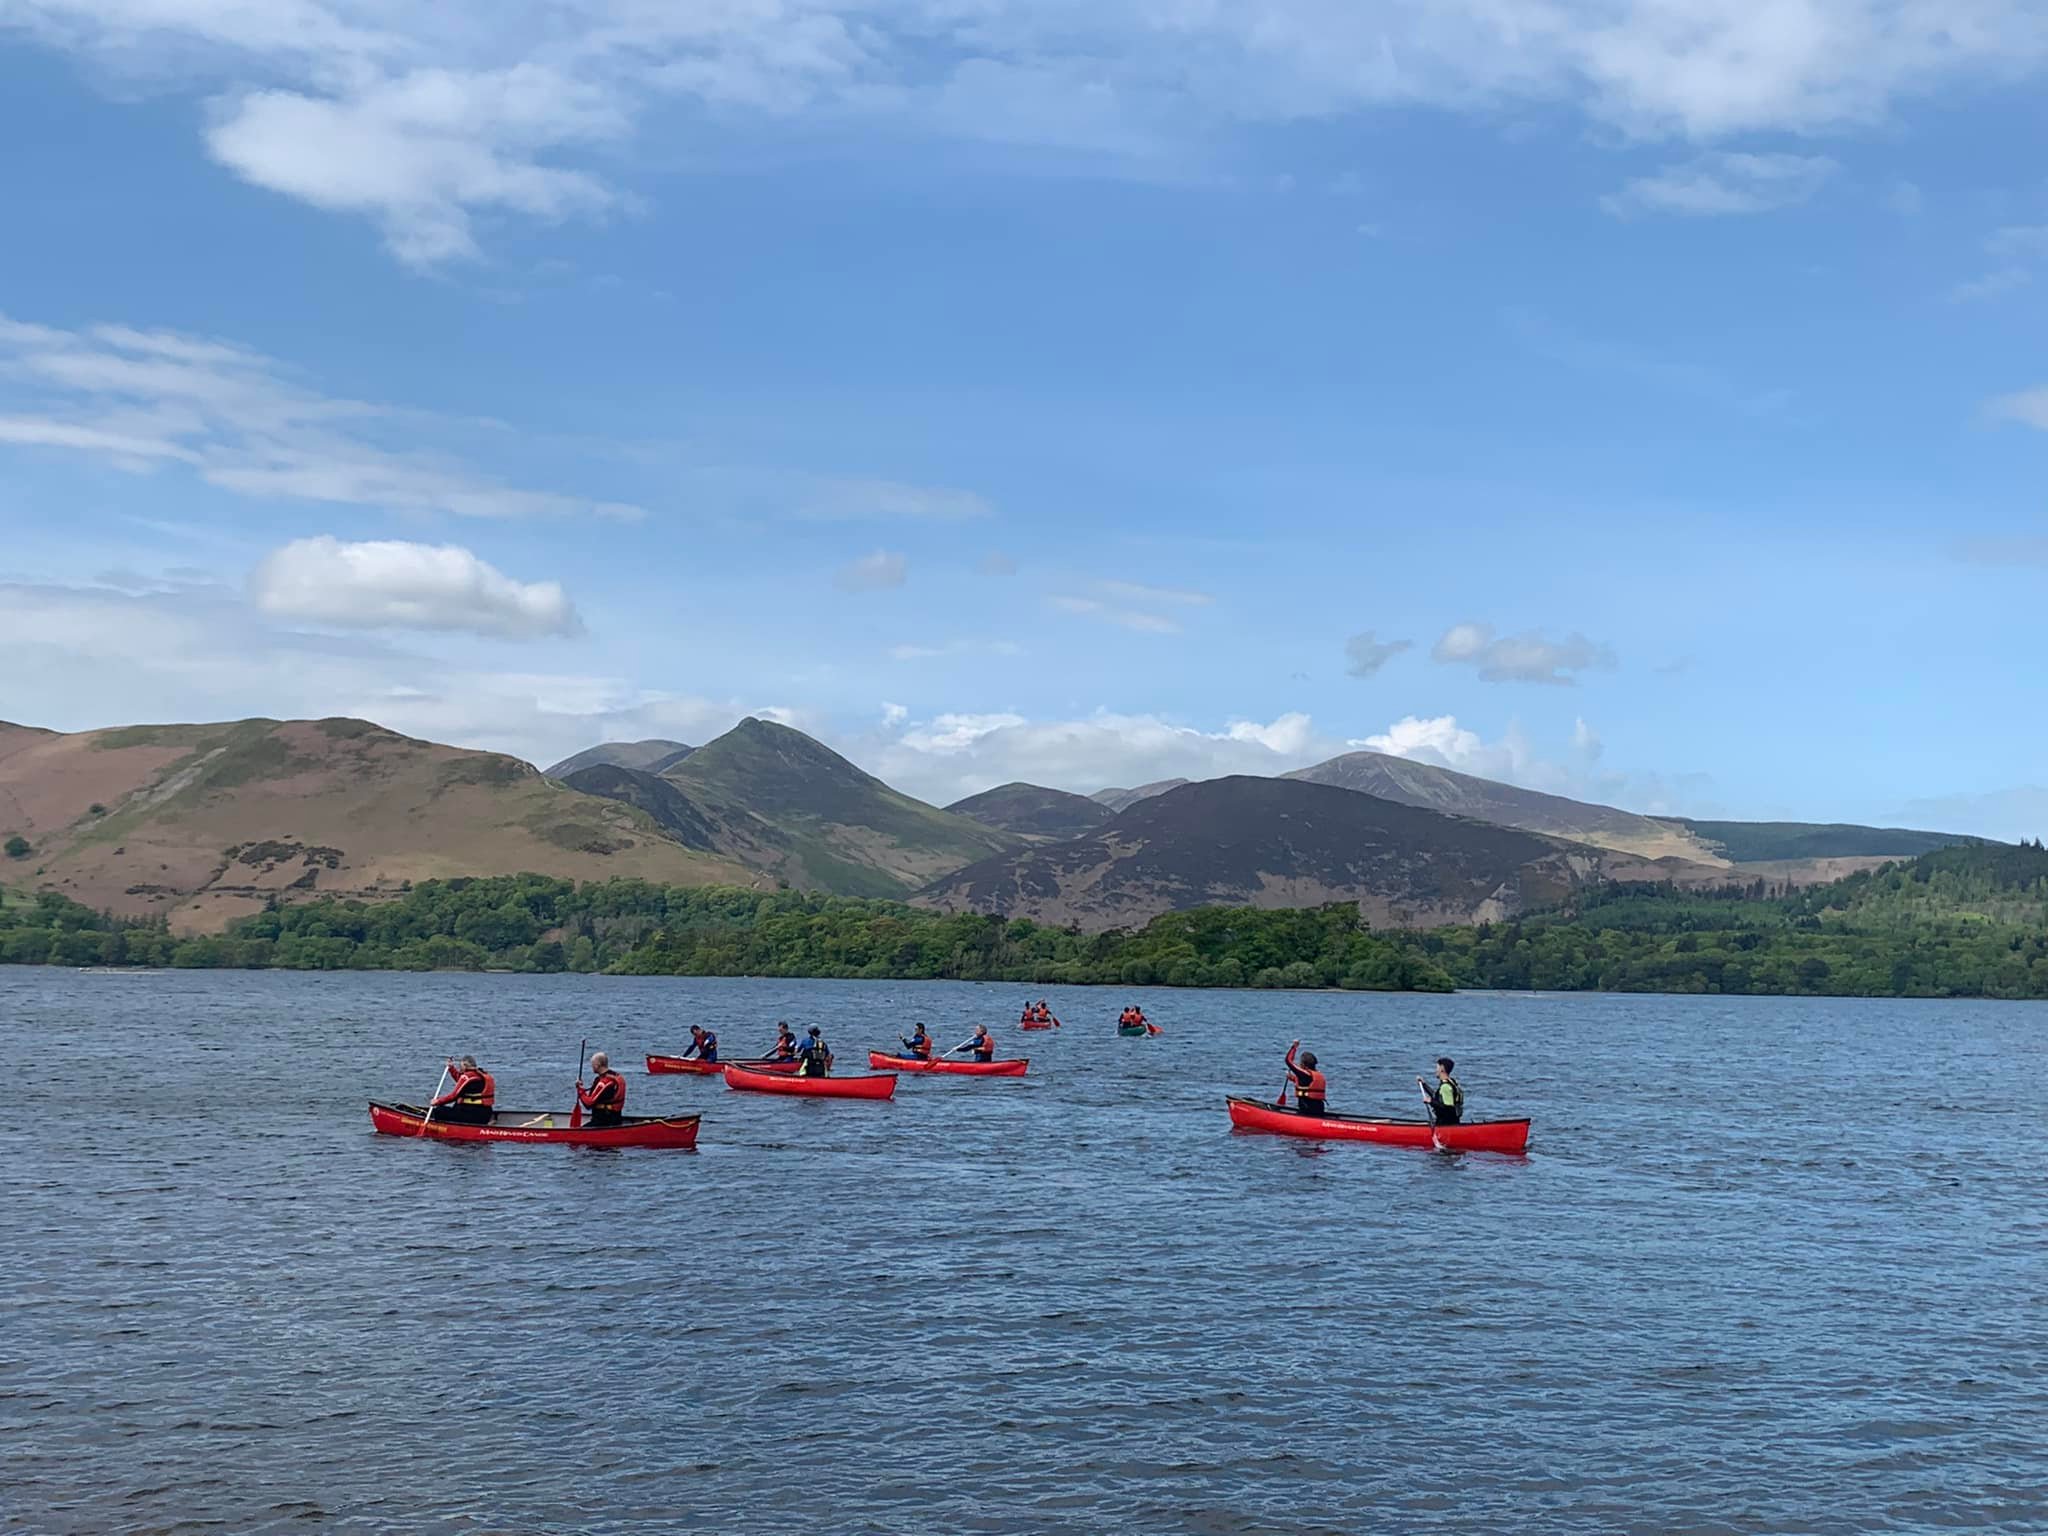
(917, 1043)
(784, 1048)
(982, 1047)
(1029, 1015)
(470, 1101)
(1310, 1089)
(604, 1101)
(703, 1044)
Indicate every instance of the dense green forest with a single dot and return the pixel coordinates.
(1966, 921)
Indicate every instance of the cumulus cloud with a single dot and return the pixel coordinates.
(427, 120)
(1365, 653)
(1711, 185)
(1523, 658)
(390, 584)
(141, 399)
(877, 572)
(1586, 741)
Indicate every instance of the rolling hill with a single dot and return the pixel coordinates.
(1283, 843)
(773, 799)
(1755, 842)
(1037, 814)
(203, 823)
(652, 756)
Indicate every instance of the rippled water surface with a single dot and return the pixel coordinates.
(1771, 1266)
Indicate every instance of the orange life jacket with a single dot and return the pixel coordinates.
(476, 1087)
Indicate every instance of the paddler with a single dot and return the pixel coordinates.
(982, 1047)
(605, 1099)
(919, 1044)
(1446, 1100)
(784, 1048)
(1029, 1016)
(1311, 1090)
(815, 1055)
(1045, 1015)
(703, 1044)
(470, 1100)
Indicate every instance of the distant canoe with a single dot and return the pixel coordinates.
(1511, 1136)
(529, 1125)
(658, 1065)
(747, 1081)
(1012, 1068)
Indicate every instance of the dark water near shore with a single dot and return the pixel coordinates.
(1773, 1266)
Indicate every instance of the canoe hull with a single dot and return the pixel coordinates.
(1131, 1031)
(658, 1066)
(746, 1081)
(674, 1132)
(1013, 1068)
(1510, 1136)
(1034, 1026)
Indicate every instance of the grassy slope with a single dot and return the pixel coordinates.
(1751, 842)
(204, 823)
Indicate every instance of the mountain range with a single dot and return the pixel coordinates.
(203, 823)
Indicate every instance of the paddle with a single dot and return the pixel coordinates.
(963, 1045)
(428, 1118)
(576, 1114)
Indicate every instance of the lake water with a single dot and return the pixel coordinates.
(1771, 1266)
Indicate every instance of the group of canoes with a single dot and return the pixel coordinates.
(467, 1110)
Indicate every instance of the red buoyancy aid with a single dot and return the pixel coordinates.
(606, 1091)
(477, 1087)
(1314, 1088)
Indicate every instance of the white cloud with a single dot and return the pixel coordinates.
(894, 715)
(1365, 653)
(2015, 252)
(1114, 613)
(425, 119)
(955, 755)
(2029, 407)
(94, 657)
(853, 500)
(1138, 592)
(872, 573)
(143, 399)
(921, 651)
(389, 584)
(1523, 658)
(1586, 741)
(1725, 183)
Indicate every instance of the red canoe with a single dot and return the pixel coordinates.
(657, 1065)
(1472, 1136)
(678, 1131)
(1013, 1068)
(1048, 1024)
(818, 1087)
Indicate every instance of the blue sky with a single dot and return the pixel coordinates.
(1641, 401)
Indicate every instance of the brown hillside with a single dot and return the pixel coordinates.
(205, 823)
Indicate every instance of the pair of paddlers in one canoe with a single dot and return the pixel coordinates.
(1444, 1099)
(473, 1098)
(918, 1045)
(814, 1058)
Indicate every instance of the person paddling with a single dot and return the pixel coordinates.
(470, 1100)
(1446, 1100)
(918, 1043)
(982, 1046)
(1045, 1015)
(703, 1044)
(1311, 1089)
(1029, 1015)
(814, 1054)
(605, 1098)
(784, 1048)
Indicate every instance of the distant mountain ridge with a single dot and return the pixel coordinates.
(1262, 842)
(1124, 799)
(651, 756)
(1034, 812)
(785, 805)
(1754, 842)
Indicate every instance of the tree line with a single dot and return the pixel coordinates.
(1968, 921)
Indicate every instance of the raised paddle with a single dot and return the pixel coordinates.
(576, 1114)
(427, 1118)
